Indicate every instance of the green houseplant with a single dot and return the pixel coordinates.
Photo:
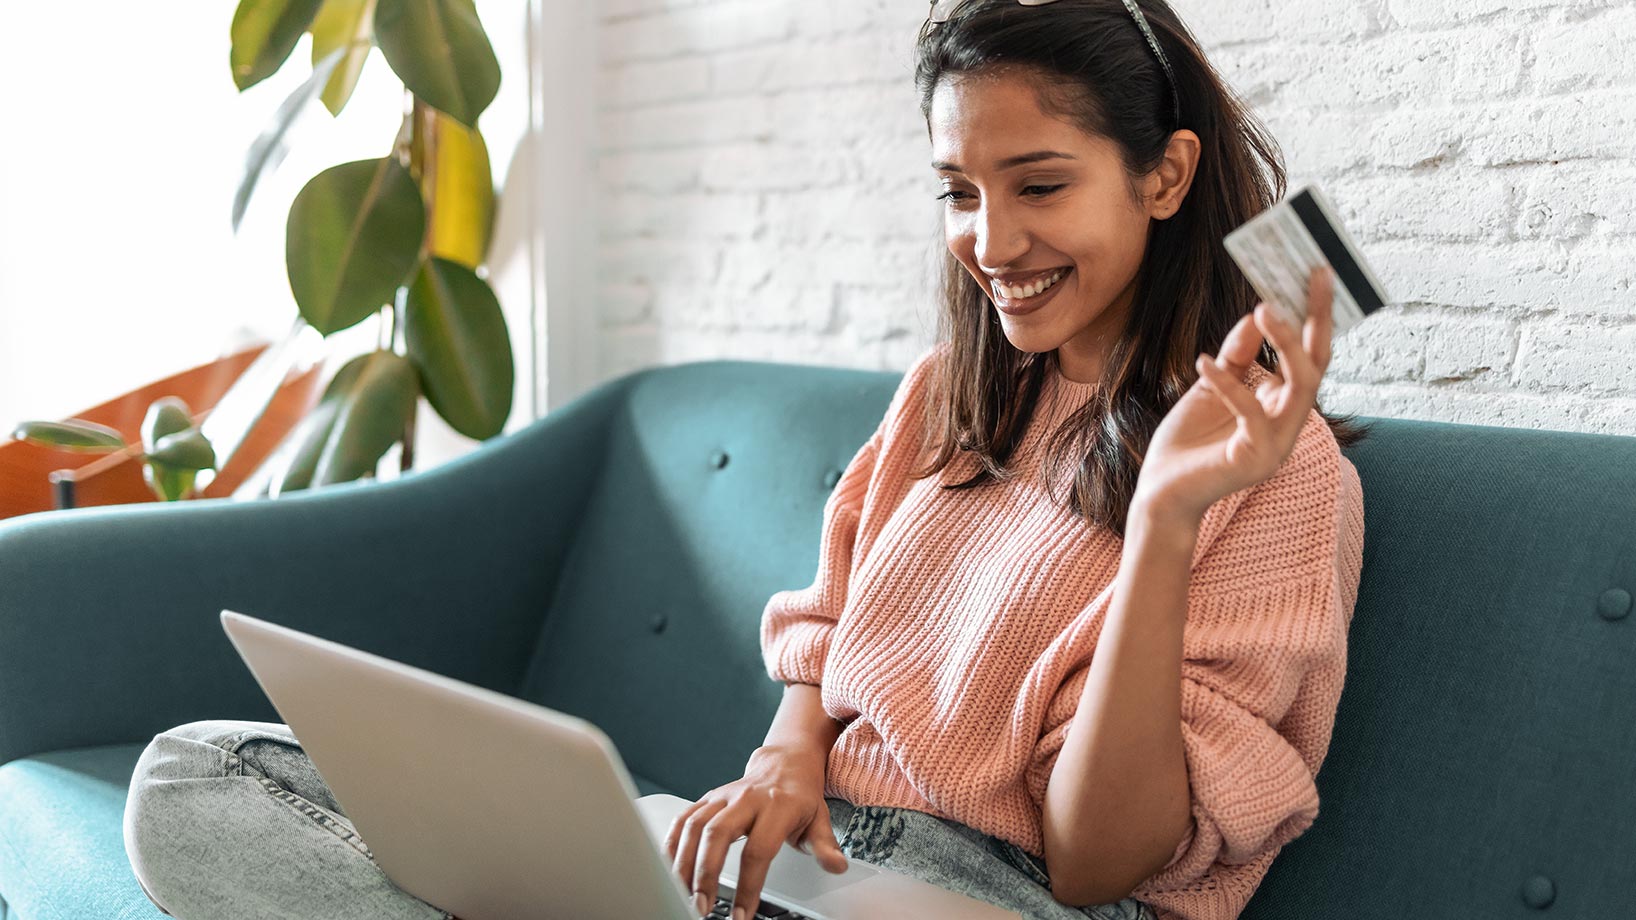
(407, 233)
(403, 237)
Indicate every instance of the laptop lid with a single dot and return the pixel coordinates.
(484, 805)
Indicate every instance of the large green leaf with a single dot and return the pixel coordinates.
(175, 449)
(166, 415)
(264, 32)
(184, 450)
(169, 483)
(439, 50)
(343, 25)
(458, 182)
(353, 237)
(363, 412)
(457, 338)
(70, 435)
(270, 146)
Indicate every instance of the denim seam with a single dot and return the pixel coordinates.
(316, 813)
(319, 815)
(232, 744)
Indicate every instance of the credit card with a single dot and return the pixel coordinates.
(1278, 249)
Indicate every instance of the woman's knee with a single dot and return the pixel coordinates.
(176, 794)
(226, 734)
(197, 750)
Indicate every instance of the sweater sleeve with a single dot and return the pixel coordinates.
(796, 625)
(1270, 600)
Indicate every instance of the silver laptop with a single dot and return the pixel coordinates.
(494, 808)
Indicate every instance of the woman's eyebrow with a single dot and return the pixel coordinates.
(1010, 162)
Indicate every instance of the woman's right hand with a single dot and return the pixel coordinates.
(780, 798)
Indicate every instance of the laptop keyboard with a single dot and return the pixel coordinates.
(764, 911)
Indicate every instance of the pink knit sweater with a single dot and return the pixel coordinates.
(952, 633)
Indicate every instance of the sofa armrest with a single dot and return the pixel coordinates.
(109, 616)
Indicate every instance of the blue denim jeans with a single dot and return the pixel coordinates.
(230, 818)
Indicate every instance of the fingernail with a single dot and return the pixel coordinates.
(701, 902)
(741, 913)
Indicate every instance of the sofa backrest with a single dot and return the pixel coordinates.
(1485, 741)
(1485, 745)
(710, 500)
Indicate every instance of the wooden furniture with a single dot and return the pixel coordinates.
(34, 477)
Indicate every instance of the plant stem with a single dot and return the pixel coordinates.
(406, 459)
(387, 340)
(423, 165)
(402, 145)
(418, 121)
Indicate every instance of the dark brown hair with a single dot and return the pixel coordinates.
(1091, 64)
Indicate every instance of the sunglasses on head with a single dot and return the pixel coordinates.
(943, 9)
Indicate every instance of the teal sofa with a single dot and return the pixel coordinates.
(612, 560)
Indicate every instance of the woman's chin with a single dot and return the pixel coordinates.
(1031, 327)
(1028, 337)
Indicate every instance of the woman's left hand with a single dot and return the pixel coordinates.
(1221, 436)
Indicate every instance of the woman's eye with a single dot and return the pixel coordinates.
(1034, 191)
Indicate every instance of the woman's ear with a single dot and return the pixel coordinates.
(1174, 175)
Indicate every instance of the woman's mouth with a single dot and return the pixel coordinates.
(1016, 299)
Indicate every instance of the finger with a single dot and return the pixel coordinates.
(1293, 361)
(673, 835)
(1242, 344)
(720, 831)
(1320, 327)
(687, 853)
(766, 838)
(819, 838)
(1238, 397)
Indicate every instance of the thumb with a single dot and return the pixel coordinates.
(819, 840)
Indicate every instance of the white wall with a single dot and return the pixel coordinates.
(125, 142)
(766, 193)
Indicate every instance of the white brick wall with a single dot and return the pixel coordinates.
(764, 189)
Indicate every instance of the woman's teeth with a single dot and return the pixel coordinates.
(1021, 292)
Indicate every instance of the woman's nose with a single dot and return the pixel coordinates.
(1001, 239)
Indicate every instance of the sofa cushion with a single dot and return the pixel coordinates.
(62, 850)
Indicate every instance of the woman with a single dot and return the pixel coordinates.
(943, 714)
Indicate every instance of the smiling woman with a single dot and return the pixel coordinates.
(1114, 705)
(1117, 708)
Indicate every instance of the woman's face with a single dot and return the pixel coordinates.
(1042, 215)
